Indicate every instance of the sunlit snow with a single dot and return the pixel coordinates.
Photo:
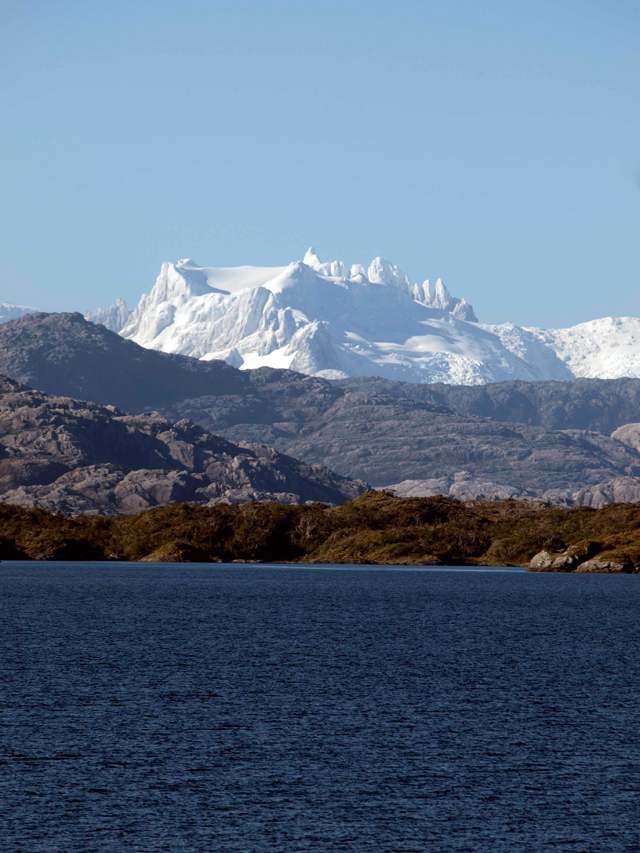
(331, 320)
(8, 311)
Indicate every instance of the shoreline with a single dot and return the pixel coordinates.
(375, 529)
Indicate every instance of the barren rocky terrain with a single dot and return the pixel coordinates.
(524, 439)
(74, 456)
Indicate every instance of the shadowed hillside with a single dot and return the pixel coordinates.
(64, 355)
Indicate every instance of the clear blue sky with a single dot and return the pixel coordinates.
(495, 144)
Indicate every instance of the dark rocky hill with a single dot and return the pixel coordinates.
(373, 432)
(492, 440)
(73, 456)
(598, 405)
(65, 355)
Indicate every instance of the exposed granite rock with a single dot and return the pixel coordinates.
(574, 556)
(465, 487)
(177, 553)
(72, 456)
(542, 562)
(582, 559)
(606, 564)
(617, 490)
(386, 440)
(628, 434)
(462, 486)
(596, 405)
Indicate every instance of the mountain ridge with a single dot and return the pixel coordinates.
(327, 319)
(74, 456)
(547, 440)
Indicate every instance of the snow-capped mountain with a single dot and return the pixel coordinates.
(331, 320)
(608, 348)
(12, 312)
(114, 317)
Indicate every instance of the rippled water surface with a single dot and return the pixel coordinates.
(205, 708)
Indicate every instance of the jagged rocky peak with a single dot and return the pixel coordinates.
(382, 271)
(437, 296)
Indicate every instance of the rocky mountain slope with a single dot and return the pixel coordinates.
(73, 456)
(600, 405)
(378, 434)
(65, 355)
(330, 320)
(384, 432)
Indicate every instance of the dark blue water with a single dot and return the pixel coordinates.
(200, 708)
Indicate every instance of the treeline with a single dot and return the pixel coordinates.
(374, 528)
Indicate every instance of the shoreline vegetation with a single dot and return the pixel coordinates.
(376, 528)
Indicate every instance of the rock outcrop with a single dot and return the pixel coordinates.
(72, 456)
(583, 558)
(601, 565)
(542, 562)
(628, 434)
(574, 556)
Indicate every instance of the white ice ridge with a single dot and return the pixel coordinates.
(331, 320)
(8, 311)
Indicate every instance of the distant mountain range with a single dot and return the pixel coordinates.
(549, 440)
(334, 321)
(357, 371)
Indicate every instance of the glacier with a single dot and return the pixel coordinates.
(114, 317)
(333, 320)
(9, 311)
